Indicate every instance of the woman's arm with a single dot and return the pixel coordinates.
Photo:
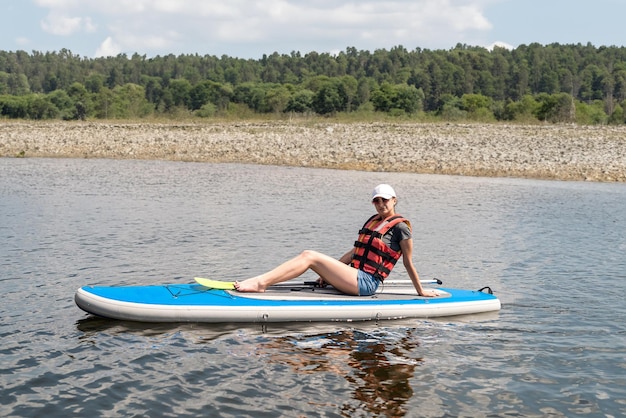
(407, 259)
(347, 257)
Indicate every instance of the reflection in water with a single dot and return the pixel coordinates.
(93, 326)
(378, 367)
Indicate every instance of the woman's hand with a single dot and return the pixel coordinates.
(320, 282)
(429, 293)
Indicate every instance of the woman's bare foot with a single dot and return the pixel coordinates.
(249, 285)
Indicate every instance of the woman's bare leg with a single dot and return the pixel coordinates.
(339, 275)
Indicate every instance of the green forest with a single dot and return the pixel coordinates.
(533, 83)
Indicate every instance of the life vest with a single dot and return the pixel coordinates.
(371, 254)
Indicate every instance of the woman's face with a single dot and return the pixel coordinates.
(384, 207)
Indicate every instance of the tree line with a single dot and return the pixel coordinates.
(554, 83)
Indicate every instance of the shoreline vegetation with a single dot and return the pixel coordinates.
(555, 152)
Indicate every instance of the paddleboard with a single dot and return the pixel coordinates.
(288, 302)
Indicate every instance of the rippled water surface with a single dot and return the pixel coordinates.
(554, 252)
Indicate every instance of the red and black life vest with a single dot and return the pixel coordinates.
(371, 254)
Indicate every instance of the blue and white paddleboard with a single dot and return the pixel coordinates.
(282, 303)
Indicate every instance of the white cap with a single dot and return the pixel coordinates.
(383, 190)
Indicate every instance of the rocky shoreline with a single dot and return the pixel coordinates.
(560, 152)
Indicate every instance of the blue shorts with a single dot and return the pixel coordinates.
(367, 283)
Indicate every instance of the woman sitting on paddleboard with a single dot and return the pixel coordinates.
(384, 238)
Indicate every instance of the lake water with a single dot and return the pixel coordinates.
(554, 253)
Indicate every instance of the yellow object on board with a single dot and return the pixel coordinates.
(215, 284)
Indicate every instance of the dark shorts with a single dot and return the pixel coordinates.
(367, 283)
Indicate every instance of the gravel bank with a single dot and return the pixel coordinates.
(545, 151)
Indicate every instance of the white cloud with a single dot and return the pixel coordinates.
(144, 40)
(62, 25)
(88, 25)
(500, 44)
(108, 48)
(57, 24)
(323, 25)
(57, 4)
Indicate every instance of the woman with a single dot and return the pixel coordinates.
(384, 238)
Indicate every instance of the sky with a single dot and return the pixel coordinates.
(252, 28)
